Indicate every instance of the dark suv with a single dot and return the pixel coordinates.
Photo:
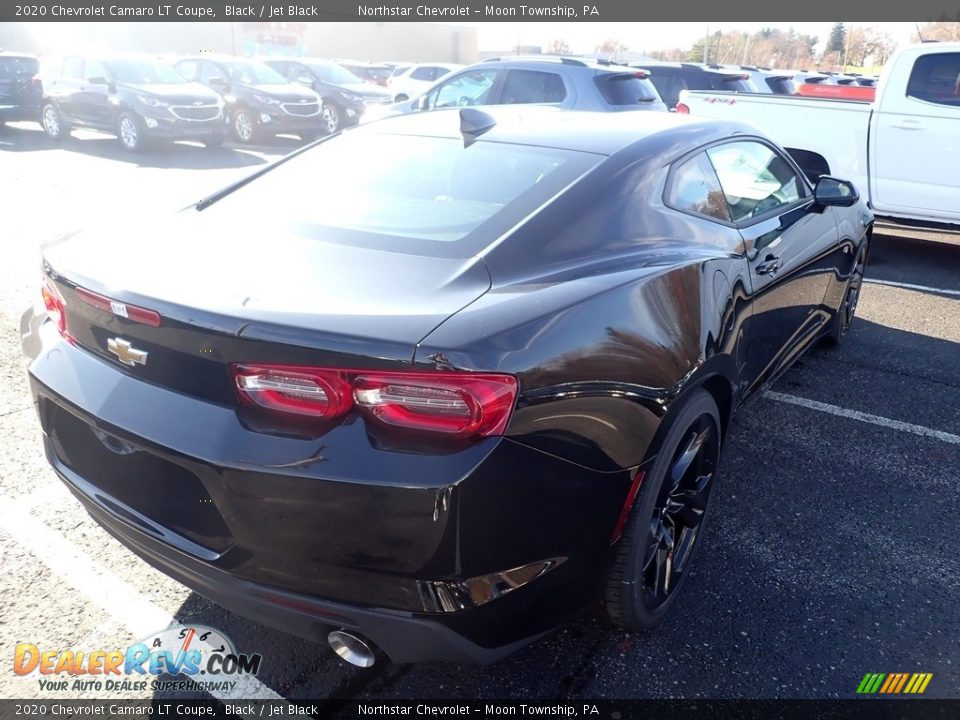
(671, 78)
(136, 98)
(21, 93)
(260, 102)
(345, 96)
(562, 82)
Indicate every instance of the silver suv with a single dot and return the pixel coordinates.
(563, 82)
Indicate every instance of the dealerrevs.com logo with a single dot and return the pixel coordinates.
(205, 657)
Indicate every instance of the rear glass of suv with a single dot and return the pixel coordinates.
(781, 85)
(732, 83)
(627, 88)
(12, 66)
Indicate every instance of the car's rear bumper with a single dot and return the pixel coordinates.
(16, 112)
(461, 554)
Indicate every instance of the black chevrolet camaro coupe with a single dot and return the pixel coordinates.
(438, 383)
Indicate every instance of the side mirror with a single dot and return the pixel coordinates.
(833, 191)
(421, 103)
(101, 81)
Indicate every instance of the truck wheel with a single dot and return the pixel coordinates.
(666, 523)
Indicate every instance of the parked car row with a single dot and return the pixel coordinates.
(203, 97)
(211, 97)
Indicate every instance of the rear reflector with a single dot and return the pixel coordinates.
(53, 302)
(457, 404)
(131, 312)
(627, 506)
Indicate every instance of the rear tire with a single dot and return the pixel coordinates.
(843, 318)
(666, 524)
(214, 142)
(52, 122)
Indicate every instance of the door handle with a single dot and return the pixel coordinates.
(770, 265)
(908, 125)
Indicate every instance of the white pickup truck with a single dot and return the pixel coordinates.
(901, 151)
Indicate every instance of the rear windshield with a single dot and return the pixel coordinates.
(11, 67)
(385, 191)
(732, 83)
(627, 89)
(781, 85)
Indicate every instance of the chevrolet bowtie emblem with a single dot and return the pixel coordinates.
(126, 353)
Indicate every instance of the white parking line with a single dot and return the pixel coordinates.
(909, 286)
(864, 417)
(102, 587)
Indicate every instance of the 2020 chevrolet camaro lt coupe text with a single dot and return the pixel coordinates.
(436, 384)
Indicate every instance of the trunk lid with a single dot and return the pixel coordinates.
(267, 292)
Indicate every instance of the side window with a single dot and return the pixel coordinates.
(935, 78)
(695, 189)
(424, 73)
(188, 68)
(464, 90)
(94, 69)
(73, 67)
(211, 72)
(755, 179)
(532, 86)
(298, 73)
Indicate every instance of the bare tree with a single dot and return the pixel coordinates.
(558, 46)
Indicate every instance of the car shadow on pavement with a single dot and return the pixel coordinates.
(173, 155)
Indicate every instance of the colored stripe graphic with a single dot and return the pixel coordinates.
(894, 683)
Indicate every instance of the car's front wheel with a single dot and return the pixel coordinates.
(131, 132)
(332, 117)
(245, 126)
(52, 122)
(666, 523)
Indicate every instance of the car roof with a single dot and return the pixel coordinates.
(215, 57)
(11, 53)
(696, 67)
(599, 133)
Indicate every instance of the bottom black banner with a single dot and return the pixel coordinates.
(872, 709)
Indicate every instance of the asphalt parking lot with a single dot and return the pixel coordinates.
(832, 548)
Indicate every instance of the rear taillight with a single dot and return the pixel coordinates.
(53, 302)
(304, 391)
(683, 108)
(457, 404)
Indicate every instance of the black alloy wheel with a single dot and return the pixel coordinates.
(667, 521)
(851, 296)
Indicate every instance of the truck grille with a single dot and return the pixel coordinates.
(301, 110)
(196, 112)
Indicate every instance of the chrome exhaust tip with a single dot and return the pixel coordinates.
(355, 650)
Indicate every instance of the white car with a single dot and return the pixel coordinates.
(417, 78)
